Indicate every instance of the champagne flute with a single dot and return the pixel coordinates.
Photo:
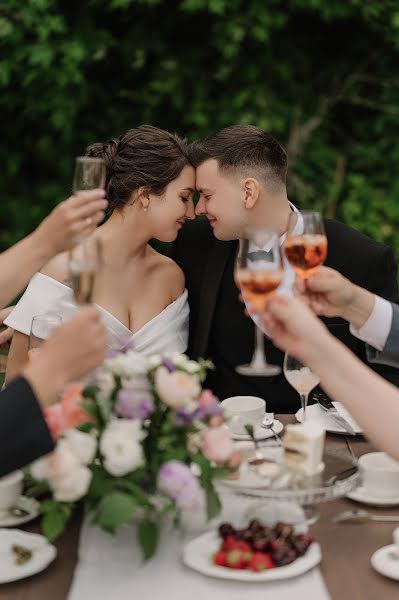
(258, 273)
(85, 261)
(90, 174)
(41, 328)
(302, 379)
(306, 250)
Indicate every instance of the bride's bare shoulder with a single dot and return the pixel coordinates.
(57, 267)
(168, 275)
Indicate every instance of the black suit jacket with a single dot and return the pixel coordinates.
(24, 435)
(219, 329)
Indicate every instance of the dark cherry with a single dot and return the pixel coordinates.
(226, 529)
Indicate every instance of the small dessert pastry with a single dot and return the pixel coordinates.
(303, 448)
(264, 467)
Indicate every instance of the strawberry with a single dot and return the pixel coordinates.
(241, 545)
(229, 543)
(235, 560)
(261, 561)
(220, 558)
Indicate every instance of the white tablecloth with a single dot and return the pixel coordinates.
(111, 568)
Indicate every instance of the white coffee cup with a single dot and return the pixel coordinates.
(380, 474)
(10, 489)
(244, 410)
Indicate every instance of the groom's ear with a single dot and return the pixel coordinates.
(251, 191)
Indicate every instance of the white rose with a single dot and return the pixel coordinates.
(176, 389)
(120, 446)
(154, 361)
(83, 445)
(39, 469)
(72, 487)
(128, 365)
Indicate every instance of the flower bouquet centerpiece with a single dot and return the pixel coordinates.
(141, 441)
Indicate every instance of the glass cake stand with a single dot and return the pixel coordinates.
(338, 478)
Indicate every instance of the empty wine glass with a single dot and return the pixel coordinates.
(41, 328)
(302, 379)
(258, 273)
(90, 174)
(85, 261)
(306, 250)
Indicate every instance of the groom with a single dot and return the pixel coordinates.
(241, 179)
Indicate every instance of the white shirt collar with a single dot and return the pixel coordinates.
(296, 231)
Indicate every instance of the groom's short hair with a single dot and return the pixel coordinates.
(243, 149)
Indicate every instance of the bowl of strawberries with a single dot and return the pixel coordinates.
(255, 552)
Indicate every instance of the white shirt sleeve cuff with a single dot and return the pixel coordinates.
(376, 329)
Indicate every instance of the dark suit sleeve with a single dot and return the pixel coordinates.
(24, 435)
(390, 353)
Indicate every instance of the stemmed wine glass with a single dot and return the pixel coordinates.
(90, 174)
(306, 250)
(85, 261)
(41, 328)
(258, 273)
(302, 379)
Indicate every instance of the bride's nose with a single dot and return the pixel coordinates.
(190, 211)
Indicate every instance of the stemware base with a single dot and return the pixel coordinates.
(258, 370)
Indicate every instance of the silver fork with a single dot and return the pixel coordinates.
(267, 423)
(360, 516)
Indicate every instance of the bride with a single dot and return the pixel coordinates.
(141, 293)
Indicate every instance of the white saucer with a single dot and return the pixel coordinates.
(359, 495)
(315, 414)
(260, 433)
(384, 562)
(43, 554)
(29, 504)
(197, 555)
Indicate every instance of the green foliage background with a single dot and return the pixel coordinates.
(321, 75)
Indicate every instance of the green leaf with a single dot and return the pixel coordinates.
(148, 535)
(116, 508)
(56, 516)
(213, 504)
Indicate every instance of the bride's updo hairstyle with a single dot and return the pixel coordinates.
(144, 157)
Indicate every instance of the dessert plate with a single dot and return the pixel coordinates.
(43, 554)
(315, 414)
(386, 561)
(260, 433)
(30, 508)
(360, 495)
(197, 555)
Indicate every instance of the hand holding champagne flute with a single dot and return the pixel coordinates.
(307, 250)
(258, 273)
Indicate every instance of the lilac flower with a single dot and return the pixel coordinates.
(134, 401)
(185, 417)
(176, 480)
(168, 364)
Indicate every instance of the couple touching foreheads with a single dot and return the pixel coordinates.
(191, 303)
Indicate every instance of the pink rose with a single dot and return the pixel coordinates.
(71, 403)
(176, 389)
(217, 444)
(54, 416)
(206, 399)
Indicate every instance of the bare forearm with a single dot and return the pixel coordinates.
(20, 263)
(372, 401)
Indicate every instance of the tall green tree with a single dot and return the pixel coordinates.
(321, 75)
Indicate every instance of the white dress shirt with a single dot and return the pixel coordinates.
(376, 329)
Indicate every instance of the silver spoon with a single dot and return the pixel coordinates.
(359, 516)
(268, 423)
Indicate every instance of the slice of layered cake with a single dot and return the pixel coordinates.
(303, 448)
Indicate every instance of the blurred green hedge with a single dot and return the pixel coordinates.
(321, 75)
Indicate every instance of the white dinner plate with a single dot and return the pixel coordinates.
(43, 554)
(360, 495)
(260, 433)
(198, 553)
(315, 414)
(385, 563)
(30, 505)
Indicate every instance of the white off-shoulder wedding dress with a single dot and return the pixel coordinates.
(166, 332)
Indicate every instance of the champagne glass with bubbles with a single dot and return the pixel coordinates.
(302, 379)
(85, 262)
(90, 174)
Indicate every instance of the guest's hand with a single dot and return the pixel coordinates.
(293, 327)
(327, 292)
(78, 216)
(5, 332)
(71, 352)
